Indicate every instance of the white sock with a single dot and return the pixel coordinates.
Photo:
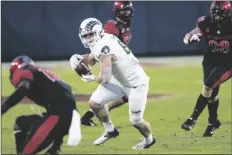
(109, 126)
(149, 139)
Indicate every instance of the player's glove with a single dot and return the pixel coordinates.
(75, 60)
(188, 39)
(195, 38)
(89, 78)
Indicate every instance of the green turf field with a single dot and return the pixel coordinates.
(165, 115)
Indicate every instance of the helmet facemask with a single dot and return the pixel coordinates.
(220, 12)
(124, 15)
(123, 11)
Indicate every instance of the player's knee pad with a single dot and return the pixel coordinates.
(136, 119)
(207, 92)
(216, 98)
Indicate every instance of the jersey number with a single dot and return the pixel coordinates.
(223, 46)
(52, 76)
(126, 49)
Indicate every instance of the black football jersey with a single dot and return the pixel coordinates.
(218, 40)
(46, 89)
(122, 31)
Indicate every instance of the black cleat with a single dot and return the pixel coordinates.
(210, 128)
(188, 124)
(86, 119)
(87, 122)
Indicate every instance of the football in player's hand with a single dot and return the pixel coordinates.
(81, 66)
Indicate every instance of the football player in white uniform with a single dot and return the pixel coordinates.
(120, 75)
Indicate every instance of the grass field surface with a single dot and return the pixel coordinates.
(182, 82)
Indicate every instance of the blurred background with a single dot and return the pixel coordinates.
(49, 30)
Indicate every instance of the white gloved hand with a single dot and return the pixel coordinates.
(195, 38)
(89, 78)
(75, 60)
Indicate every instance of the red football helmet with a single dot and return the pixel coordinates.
(220, 11)
(123, 11)
(19, 62)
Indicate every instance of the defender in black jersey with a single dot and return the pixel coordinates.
(216, 29)
(34, 133)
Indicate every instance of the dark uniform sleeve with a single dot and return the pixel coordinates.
(21, 80)
(110, 27)
(202, 23)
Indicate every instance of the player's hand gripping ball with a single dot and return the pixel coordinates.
(80, 65)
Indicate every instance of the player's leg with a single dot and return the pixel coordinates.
(213, 105)
(104, 94)
(21, 128)
(201, 103)
(213, 122)
(86, 119)
(41, 134)
(219, 75)
(137, 104)
(55, 148)
(117, 103)
(64, 127)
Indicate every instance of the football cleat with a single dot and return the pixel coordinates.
(86, 119)
(87, 122)
(106, 136)
(210, 128)
(188, 124)
(144, 144)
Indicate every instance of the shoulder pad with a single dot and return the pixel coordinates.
(21, 74)
(204, 19)
(110, 27)
(203, 22)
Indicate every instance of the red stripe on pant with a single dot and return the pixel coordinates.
(41, 134)
(223, 78)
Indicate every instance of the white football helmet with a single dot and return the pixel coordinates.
(90, 31)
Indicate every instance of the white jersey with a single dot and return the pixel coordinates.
(125, 69)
